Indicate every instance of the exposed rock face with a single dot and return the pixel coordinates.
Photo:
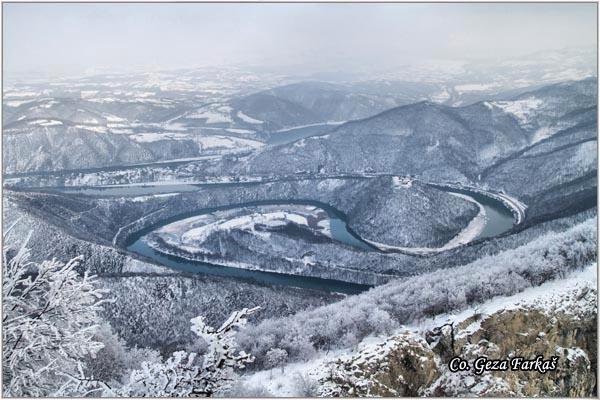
(563, 326)
(401, 366)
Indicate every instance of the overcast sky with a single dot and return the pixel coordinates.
(67, 38)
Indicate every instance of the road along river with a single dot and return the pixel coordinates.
(496, 216)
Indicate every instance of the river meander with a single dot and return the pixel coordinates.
(499, 219)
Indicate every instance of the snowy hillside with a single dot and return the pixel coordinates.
(381, 366)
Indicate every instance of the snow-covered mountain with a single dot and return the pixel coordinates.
(361, 201)
(429, 139)
(165, 117)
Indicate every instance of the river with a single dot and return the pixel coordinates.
(499, 219)
(339, 231)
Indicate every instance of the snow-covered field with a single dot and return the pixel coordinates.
(248, 119)
(227, 142)
(189, 234)
(521, 109)
(206, 142)
(476, 87)
(213, 114)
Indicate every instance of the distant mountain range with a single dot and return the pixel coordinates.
(547, 136)
(425, 136)
(389, 129)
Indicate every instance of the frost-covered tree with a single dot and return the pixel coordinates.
(276, 358)
(114, 362)
(187, 374)
(50, 315)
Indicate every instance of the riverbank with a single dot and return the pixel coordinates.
(468, 234)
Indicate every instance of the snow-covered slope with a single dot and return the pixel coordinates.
(433, 140)
(412, 361)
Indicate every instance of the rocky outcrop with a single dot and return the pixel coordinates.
(562, 326)
(401, 366)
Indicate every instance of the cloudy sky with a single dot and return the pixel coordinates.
(69, 38)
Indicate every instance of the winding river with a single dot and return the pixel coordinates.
(499, 219)
(140, 247)
(339, 231)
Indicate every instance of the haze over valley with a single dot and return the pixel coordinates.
(364, 202)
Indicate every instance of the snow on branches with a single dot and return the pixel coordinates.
(183, 374)
(276, 358)
(50, 314)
